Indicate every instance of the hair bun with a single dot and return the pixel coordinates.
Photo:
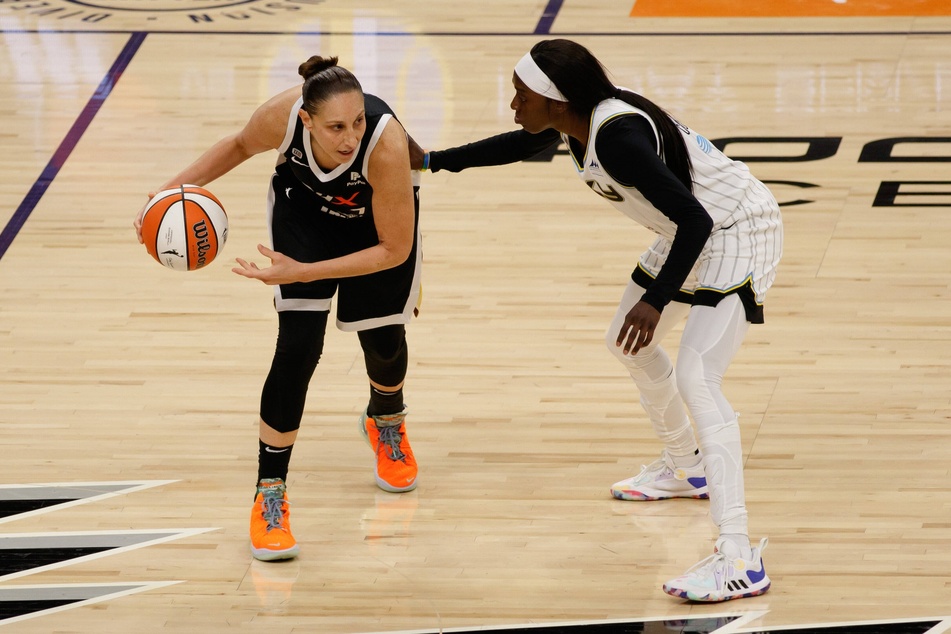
(316, 64)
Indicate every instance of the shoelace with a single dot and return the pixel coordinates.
(706, 566)
(273, 511)
(657, 466)
(391, 438)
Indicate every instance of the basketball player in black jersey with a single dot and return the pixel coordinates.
(343, 209)
(718, 243)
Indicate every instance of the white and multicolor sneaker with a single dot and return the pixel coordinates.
(720, 577)
(662, 480)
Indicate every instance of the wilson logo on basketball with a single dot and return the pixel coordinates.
(202, 244)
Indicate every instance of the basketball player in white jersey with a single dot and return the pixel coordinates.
(343, 210)
(719, 240)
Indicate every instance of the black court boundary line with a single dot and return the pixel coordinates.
(739, 624)
(69, 142)
(485, 34)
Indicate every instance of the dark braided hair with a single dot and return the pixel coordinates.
(583, 80)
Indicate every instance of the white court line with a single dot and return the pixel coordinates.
(139, 586)
(128, 486)
(165, 535)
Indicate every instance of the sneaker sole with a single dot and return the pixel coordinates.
(635, 496)
(389, 488)
(265, 554)
(691, 596)
(362, 426)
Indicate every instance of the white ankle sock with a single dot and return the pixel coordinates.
(733, 546)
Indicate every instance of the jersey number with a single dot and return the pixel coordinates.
(610, 193)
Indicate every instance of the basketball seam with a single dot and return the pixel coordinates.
(188, 251)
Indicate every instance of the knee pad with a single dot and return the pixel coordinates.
(386, 354)
(650, 365)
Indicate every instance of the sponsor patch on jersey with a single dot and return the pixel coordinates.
(704, 144)
(347, 214)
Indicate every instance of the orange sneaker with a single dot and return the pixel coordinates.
(395, 464)
(271, 537)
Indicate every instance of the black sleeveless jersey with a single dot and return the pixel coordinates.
(341, 199)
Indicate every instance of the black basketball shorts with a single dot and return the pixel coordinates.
(301, 231)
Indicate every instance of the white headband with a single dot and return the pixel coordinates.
(536, 80)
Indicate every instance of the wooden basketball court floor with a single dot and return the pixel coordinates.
(129, 393)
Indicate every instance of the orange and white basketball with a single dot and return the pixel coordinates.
(185, 227)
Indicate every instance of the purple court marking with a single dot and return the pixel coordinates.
(69, 143)
(548, 17)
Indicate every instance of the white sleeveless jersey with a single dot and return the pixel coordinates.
(721, 184)
(746, 241)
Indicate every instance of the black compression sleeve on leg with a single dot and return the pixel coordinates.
(387, 357)
(300, 341)
(385, 353)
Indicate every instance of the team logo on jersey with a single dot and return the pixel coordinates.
(346, 202)
(342, 206)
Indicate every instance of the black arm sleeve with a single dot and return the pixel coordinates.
(502, 149)
(627, 149)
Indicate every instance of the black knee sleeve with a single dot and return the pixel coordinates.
(385, 354)
(300, 341)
